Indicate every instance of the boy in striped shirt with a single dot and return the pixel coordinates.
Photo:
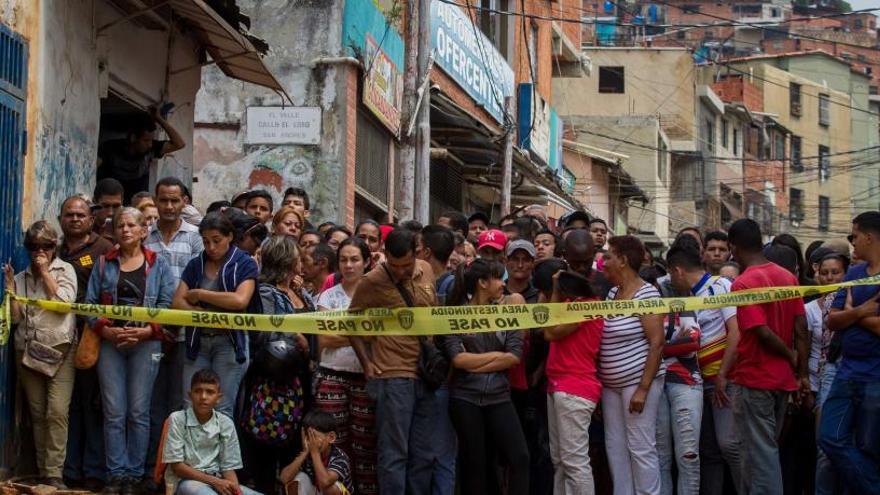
(719, 335)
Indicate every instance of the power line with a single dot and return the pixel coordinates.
(767, 29)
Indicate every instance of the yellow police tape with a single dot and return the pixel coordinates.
(429, 320)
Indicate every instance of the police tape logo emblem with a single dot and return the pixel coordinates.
(276, 320)
(676, 306)
(153, 312)
(405, 318)
(541, 314)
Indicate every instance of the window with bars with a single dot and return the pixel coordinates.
(824, 213)
(824, 163)
(794, 99)
(779, 146)
(373, 157)
(796, 154)
(795, 206)
(724, 132)
(824, 111)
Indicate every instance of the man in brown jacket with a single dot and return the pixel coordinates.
(403, 402)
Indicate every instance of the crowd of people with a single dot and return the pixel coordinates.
(771, 398)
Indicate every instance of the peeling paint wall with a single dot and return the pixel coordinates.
(70, 69)
(298, 32)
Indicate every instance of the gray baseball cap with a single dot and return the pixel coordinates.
(520, 244)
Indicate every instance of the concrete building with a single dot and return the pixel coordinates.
(819, 121)
(764, 144)
(852, 155)
(72, 73)
(639, 102)
(343, 61)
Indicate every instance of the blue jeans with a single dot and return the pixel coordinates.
(759, 415)
(404, 409)
(193, 487)
(827, 480)
(850, 414)
(679, 419)
(167, 396)
(719, 444)
(445, 445)
(127, 377)
(217, 353)
(85, 434)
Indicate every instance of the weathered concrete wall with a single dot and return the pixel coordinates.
(298, 33)
(69, 70)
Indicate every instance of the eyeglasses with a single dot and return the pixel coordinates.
(40, 247)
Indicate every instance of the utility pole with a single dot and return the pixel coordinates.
(410, 98)
(507, 161)
(422, 196)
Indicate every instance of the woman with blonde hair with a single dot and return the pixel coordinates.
(128, 275)
(288, 221)
(44, 344)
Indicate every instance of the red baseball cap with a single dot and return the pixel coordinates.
(385, 230)
(492, 238)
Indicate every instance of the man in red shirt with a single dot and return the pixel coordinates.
(764, 373)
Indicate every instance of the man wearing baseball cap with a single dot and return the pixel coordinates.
(526, 382)
(520, 264)
(491, 244)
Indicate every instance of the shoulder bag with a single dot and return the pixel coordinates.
(433, 367)
(89, 347)
(37, 356)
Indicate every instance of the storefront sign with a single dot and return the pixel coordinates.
(369, 33)
(283, 125)
(470, 58)
(534, 123)
(383, 86)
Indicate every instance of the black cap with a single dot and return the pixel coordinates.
(479, 215)
(542, 277)
(575, 215)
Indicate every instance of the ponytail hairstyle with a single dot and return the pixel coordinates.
(467, 276)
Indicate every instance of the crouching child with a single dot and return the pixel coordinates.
(321, 467)
(201, 449)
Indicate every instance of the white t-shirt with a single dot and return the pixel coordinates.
(339, 358)
(814, 325)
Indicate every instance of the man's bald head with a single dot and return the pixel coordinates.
(579, 251)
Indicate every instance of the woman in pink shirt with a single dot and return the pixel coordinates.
(573, 391)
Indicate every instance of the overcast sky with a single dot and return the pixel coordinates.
(864, 4)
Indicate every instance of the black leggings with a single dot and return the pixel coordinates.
(478, 427)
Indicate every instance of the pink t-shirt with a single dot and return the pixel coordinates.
(571, 364)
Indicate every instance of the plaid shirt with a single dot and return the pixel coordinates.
(185, 245)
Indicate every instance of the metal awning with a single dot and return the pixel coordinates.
(232, 51)
(477, 147)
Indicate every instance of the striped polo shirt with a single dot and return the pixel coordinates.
(624, 348)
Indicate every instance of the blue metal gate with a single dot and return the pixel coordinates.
(13, 85)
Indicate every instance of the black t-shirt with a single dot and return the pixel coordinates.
(133, 171)
(84, 259)
(130, 288)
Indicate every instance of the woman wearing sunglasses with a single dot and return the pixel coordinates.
(44, 346)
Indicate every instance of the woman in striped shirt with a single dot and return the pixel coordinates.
(631, 371)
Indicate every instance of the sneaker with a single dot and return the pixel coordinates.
(131, 486)
(113, 487)
(93, 485)
(56, 483)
